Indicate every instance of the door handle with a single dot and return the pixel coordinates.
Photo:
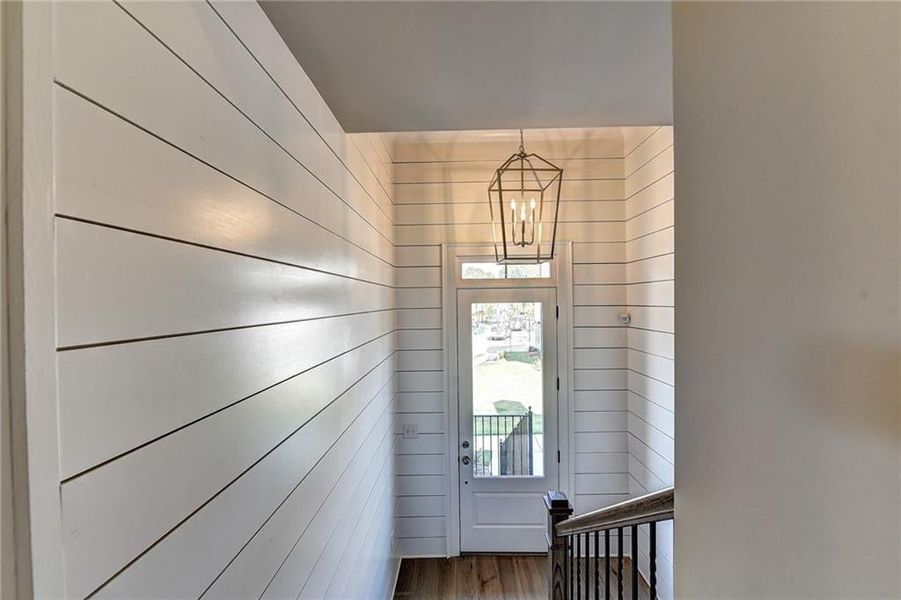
(465, 460)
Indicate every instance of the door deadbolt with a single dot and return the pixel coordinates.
(465, 444)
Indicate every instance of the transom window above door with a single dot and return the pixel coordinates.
(491, 270)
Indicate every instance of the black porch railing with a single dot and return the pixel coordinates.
(502, 444)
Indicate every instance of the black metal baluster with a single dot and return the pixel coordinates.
(531, 433)
(619, 563)
(606, 563)
(507, 431)
(569, 540)
(635, 562)
(578, 557)
(652, 552)
(597, 566)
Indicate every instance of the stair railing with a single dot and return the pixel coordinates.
(578, 546)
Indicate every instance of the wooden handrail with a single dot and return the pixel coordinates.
(650, 508)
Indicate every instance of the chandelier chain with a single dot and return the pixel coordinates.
(522, 144)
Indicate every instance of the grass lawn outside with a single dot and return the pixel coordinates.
(509, 386)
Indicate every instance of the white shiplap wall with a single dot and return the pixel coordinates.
(226, 320)
(649, 273)
(440, 186)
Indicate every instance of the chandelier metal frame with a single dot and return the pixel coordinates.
(535, 183)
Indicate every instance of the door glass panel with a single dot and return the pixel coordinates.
(507, 390)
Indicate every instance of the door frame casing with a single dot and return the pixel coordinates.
(450, 283)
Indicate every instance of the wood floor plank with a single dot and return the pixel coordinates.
(501, 577)
(489, 578)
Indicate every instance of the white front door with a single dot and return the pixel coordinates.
(507, 357)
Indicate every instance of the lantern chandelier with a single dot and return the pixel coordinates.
(524, 201)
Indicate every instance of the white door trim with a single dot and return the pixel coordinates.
(450, 283)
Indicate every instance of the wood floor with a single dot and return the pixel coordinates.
(484, 577)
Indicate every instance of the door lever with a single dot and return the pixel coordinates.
(465, 460)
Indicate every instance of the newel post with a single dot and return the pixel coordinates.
(558, 509)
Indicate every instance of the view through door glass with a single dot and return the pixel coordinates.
(507, 384)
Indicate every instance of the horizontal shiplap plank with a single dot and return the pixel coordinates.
(600, 400)
(653, 244)
(201, 39)
(420, 360)
(600, 421)
(595, 274)
(420, 506)
(421, 485)
(657, 293)
(599, 295)
(597, 316)
(465, 213)
(652, 220)
(115, 285)
(602, 483)
(649, 172)
(419, 298)
(653, 195)
(600, 358)
(599, 337)
(114, 398)
(634, 137)
(600, 442)
(601, 462)
(598, 252)
(420, 381)
(652, 365)
(427, 423)
(98, 182)
(421, 527)
(603, 142)
(113, 514)
(418, 256)
(653, 437)
(419, 339)
(422, 277)
(476, 191)
(659, 268)
(652, 342)
(651, 459)
(282, 495)
(419, 318)
(600, 379)
(424, 444)
(422, 547)
(649, 148)
(426, 234)
(313, 566)
(421, 464)
(484, 170)
(653, 414)
(656, 318)
(420, 402)
(101, 49)
(653, 390)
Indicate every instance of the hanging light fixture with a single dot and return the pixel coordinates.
(524, 201)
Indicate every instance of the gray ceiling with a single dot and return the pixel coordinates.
(426, 66)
